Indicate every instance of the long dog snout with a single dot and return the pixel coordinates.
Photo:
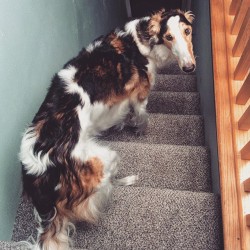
(189, 68)
(185, 57)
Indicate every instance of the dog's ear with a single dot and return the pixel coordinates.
(189, 16)
(154, 26)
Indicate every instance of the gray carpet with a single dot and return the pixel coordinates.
(165, 129)
(171, 206)
(165, 166)
(175, 83)
(10, 246)
(182, 103)
(149, 218)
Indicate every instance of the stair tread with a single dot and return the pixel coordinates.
(186, 103)
(165, 129)
(177, 83)
(165, 166)
(163, 219)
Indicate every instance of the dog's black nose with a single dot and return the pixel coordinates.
(189, 68)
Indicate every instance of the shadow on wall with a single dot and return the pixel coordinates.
(204, 72)
(151, 6)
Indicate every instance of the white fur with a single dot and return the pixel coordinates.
(33, 164)
(103, 117)
(120, 33)
(87, 149)
(93, 45)
(68, 74)
(162, 55)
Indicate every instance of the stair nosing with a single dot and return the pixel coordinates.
(171, 190)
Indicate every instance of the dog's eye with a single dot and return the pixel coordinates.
(187, 31)
(169, 37)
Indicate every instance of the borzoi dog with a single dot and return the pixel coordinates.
(67, 175)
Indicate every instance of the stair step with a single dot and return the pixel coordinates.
(165, 166)
(147, 218)
(164, 129)
(176, 83)
(182, 103)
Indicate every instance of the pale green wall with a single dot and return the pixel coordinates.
(36, 38)
(99, 17)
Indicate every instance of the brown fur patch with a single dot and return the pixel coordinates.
(141, 92)
(133, 81)
(117, 43)
(92, 177)
(190, 49)
(154, 23)
(39, 126)
(59, 116)
(189, 16)
(114, 99)
(119, 71)
(137, 88)
(82, 184)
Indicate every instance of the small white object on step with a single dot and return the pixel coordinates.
(127, 181)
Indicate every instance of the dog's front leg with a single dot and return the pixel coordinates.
(140, 116)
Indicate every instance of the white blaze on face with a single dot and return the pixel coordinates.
(181, 45)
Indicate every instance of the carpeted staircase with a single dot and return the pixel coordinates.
(172, 205)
